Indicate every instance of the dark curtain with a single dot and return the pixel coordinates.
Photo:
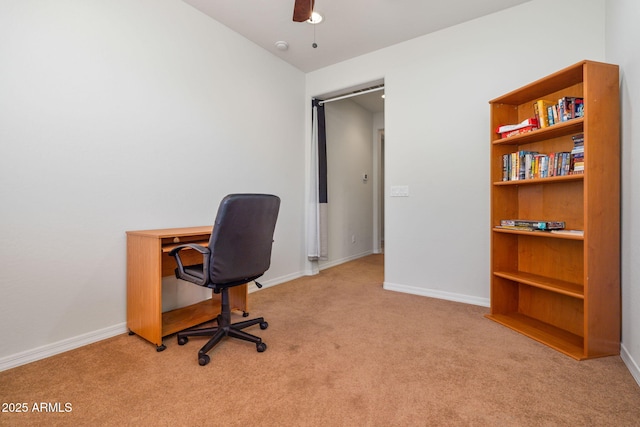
(317, 237)
(322, 153)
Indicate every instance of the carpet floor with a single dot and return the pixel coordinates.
(342, 351)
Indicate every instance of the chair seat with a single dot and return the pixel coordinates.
(195, 271)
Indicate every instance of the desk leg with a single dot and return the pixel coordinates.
(144, 288)
(238, 298)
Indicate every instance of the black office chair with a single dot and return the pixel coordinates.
(239, 251)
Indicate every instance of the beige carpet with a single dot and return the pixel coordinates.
(341, 352)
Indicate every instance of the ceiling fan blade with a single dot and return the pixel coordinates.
(302, 10)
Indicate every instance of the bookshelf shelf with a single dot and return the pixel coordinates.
(561, 129)
(562, 290)
(548, 180)
(560, 286)
(543, 234)
(556, 338)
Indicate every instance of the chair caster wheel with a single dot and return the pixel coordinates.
(203, 359)
(160, 348)
(245, 314)
(264, 325)
(261, 347)
(183, 340)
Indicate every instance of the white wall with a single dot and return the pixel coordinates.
(120, 115)
(114, 112)
(349, 130)
(437, 90)
(622, 49)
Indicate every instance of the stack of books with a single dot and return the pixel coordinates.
(525, 126)
(549, 113)
(577, 155)
(529, 225)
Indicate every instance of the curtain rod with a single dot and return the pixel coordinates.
(349, 95)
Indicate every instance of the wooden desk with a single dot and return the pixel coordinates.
(148, 261)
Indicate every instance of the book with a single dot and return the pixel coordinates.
(553, 164)
(536, 113)
(527, 122)
(523, 164)
(577, 155)
(526, 125)
(562, 110)
(566, 163)
(578, 108)
(506, 160)
(518, 228)
(571, 107)
(550, 115)
(536, 225)
(540, 108)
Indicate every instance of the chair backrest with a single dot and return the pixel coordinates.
(242, 238)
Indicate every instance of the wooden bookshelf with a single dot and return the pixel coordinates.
(562, 290)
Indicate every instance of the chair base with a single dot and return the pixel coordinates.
(224, 329)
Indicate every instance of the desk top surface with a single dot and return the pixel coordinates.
(171, 232)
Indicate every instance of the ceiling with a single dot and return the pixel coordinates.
(350, 28)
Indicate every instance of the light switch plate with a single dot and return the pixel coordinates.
(399, 191)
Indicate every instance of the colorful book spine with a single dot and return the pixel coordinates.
(566, 108)
(542, 108)
(577, 155)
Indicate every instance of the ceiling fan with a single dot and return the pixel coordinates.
(302, 10)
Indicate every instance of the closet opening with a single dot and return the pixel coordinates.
(354, 125)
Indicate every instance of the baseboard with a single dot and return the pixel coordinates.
(322, 265)
(273, 282)
(52, 349)
(632, 366)
(328, 264)
(434, 293)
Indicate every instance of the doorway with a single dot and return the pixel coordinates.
(355, 124)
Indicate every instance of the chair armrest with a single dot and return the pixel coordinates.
(199, 248)
(180, 271)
